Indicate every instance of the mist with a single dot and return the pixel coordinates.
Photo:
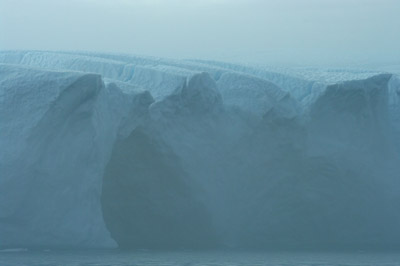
(284, 32)
(242, 132)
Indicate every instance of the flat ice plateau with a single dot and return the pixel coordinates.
(100, 150)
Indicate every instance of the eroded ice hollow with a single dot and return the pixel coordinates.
(103, 150)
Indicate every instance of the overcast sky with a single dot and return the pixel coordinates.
(300, 32)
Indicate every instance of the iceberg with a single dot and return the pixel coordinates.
(107, 150)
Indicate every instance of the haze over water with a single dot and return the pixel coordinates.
(199, 132)
(272, 32)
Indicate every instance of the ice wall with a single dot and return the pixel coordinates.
(155, 153)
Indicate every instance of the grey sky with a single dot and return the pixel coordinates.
(261, 31)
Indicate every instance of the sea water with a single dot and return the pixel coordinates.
(212, 258)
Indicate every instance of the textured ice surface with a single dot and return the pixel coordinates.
(155, 153)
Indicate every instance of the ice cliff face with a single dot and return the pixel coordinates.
(99, 150)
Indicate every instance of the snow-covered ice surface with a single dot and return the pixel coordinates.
(106, 149)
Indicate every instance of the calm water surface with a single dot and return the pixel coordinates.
(120, 258)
